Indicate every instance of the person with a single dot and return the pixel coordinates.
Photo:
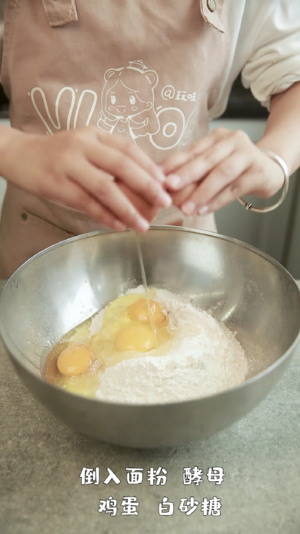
(110, 104)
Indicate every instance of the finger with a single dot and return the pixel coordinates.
(201, 165)
(174, 162)
(109, 195)
(139, 203)
(127, 170)
(221, 176)
(236, 189)
(128, 148)
(179, 197)
(73, 196)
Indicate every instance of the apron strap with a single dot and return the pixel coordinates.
(213, 12)
(60, 12)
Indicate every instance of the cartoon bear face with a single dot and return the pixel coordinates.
(123, 102)
(128, 92)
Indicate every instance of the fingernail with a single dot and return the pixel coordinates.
(189, 207)
(119, 226)
(203, 210)
(142, 224)
(160, 175)
(173, 180)
(164, 200)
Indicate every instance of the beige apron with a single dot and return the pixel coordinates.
(147, 70)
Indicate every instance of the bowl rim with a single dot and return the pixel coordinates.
(8, 342)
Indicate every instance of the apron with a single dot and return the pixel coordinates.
(147, 70)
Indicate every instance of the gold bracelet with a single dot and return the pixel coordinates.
(284, 167)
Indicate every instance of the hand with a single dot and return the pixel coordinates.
(218, 169)
(148, 210)
(103, 175)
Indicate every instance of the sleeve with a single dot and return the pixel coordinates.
(274, 63)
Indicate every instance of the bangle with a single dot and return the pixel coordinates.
(284, 167)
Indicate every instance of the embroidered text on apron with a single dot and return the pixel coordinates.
(145, 70)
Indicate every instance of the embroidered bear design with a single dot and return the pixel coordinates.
(127, 101)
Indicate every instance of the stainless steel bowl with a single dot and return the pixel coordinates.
(67, 283)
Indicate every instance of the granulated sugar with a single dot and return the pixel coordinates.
(204, 359)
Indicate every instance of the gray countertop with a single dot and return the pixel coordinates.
(41, 460)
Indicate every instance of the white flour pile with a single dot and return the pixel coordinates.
(205, 359)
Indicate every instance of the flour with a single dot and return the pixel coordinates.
(204, 359)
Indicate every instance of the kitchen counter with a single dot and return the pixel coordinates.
(41, 461)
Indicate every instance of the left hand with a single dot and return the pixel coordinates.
(218, 169)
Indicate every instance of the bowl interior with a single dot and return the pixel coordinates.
(69, 282)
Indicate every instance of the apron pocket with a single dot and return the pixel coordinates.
(60, 12)
(23, 237)
(43, 228)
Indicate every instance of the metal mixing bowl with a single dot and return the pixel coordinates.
(68, 282)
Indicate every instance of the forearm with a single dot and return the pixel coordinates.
(282, 134)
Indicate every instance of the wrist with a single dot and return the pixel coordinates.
(276, 146)
(280, 163)
(278, 174)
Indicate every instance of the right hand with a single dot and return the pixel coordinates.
(106, 176)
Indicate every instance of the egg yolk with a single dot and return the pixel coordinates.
(137, 337)
(139, 312)
(73, 361)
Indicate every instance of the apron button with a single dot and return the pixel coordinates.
(24, 216)
(211, 4)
